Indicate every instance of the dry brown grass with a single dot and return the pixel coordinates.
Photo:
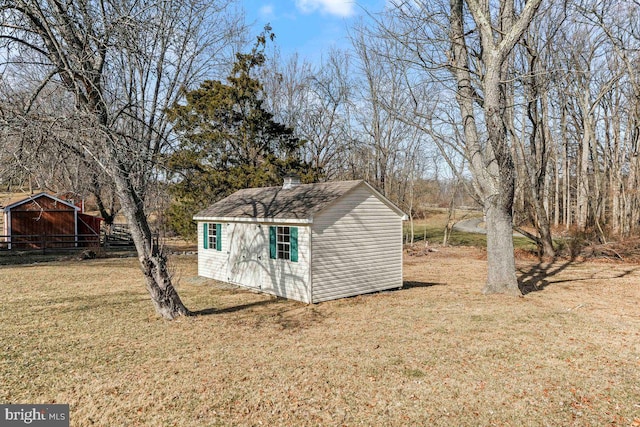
(435, 353)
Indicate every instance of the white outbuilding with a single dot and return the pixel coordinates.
(307, 242)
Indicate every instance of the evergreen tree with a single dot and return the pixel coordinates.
(228, 141)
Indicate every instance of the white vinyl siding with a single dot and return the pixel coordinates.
(290, 279)
(244, 260)
(212, 263)
(357, 247)
(247, 254)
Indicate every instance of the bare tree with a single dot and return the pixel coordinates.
(592, 101)
(326, 123)
(529, 125)
(123, 63)
(621, 107)
(481, 36)
(45, 154)
(395, 153)
(315, 102)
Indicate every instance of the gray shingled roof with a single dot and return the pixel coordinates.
(300, 202)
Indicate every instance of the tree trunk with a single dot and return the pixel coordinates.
(544, 229)
(153, 261)
(502, 274)
(450, 216)
(498, 206)
(556, 188)
(566, 176)
(107, 213)
(491, 163)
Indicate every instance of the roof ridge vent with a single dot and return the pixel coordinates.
(290, 181)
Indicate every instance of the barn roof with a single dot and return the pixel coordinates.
(13, 202)
(299, 203)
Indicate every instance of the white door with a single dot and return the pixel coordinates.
(248, 254)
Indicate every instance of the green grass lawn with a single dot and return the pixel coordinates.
(432, 228)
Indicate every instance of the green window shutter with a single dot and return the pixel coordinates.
(273, 251)
(205, 234)
(218, 237)
(294, 243)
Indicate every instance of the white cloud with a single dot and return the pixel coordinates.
(266, 11)
(342, 8)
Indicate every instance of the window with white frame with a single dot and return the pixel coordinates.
(283, 243)
(212, 236)
(283, 240)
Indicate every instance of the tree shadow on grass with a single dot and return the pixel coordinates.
(537, 277)
(278, 300)
(235, 308)
(277, 312)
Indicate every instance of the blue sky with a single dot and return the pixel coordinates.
(309, 27)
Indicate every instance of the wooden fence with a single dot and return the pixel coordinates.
(119, 237)
(44, 242)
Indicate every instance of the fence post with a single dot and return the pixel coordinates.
(44, 243)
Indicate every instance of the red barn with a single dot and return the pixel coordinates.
(43, 219)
